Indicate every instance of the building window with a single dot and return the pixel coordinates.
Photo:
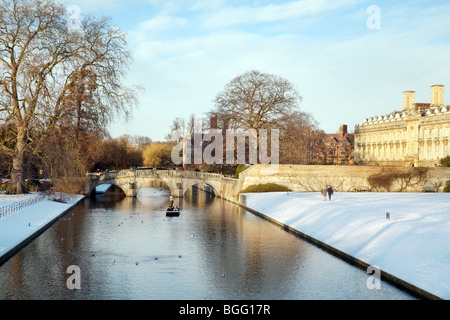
(429, 153)
(437, 152)
(422, 133)
(437, 132)
(445, 150)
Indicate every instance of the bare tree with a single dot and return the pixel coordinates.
(181, 128)
(254, 99)
(42, 60)
(81, 111)
(295, 137)
(138, 142)
(317, 151)
(118, 153)
(178, 130)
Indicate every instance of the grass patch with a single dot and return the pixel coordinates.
(266, 187)
(447, 186)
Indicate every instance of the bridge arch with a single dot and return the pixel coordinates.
(215, 188)
(142, 184)
(94, 191)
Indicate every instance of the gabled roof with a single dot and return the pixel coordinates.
(338, 138)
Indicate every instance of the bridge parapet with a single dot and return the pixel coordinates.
(153, 173)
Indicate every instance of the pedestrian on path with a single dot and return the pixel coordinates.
(171, 201)
(330, 192)
(324, 193)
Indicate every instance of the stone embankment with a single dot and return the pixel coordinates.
(346, 178)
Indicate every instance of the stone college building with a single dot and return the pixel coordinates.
(415, 136)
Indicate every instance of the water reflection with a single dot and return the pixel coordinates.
(127, 248)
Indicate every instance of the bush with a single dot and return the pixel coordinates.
(31, 185)
(72, 185)
(404, 179)
(382, 180)
(445, 162)
(267, 187)
(447, 186)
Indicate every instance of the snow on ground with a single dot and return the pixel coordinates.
(414, 245)
(18, 226)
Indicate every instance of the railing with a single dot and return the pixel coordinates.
(153, 173)
(19, 205)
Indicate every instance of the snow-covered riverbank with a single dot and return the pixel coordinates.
(19, 226)
(414, 245)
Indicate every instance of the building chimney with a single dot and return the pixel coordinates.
(342, 130)
(408, 100)
(437, 95)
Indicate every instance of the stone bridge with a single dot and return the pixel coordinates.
(131, 180)
(297, 178)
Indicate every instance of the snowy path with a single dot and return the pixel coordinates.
(414, 245)
(20, 225)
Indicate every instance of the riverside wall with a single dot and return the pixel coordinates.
(344, 178)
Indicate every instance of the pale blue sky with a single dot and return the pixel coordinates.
(186, 51)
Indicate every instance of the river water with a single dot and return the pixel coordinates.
(126, 248)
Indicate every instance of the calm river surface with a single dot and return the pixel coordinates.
(128, 249)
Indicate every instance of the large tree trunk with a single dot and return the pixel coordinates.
(17, 182)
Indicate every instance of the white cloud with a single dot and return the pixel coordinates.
(87, 6)
(160, 24)
(208, 4)
(232, 16)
